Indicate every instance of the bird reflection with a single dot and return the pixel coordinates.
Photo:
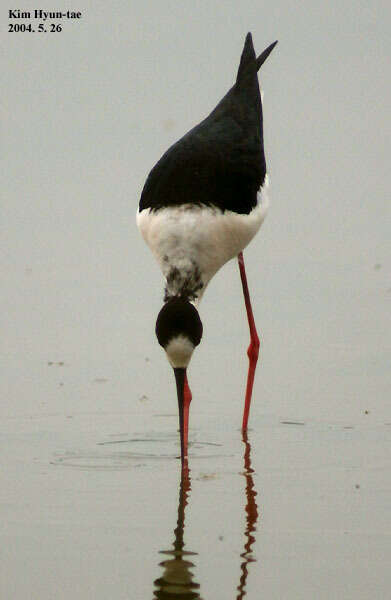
(251, 509)
(177, 579)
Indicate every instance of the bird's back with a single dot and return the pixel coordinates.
(221, 161)
(204, 200)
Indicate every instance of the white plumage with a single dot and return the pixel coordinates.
(191, 237)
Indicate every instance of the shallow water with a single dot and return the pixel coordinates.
(299, 509)
(90, 474)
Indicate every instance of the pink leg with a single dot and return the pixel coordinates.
(186, 405)
(253, 349)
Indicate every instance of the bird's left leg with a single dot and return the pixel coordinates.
(186, 405)
(253, 349)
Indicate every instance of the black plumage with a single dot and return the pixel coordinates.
(178, 317)
(221, 161)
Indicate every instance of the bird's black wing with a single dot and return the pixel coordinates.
(221, 161)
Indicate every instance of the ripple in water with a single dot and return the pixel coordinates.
(135, 452)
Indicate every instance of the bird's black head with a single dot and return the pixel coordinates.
(178, 330)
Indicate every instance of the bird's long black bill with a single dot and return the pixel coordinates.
(180, 375)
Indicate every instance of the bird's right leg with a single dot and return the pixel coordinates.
(253, 349)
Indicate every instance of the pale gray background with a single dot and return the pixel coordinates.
(86, 113)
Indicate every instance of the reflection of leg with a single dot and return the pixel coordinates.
(253, 349)
(186, 405)
(251, 510)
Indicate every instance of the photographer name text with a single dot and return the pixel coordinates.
(22, 20)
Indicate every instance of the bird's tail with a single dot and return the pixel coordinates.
(249, 63)
(262, 57)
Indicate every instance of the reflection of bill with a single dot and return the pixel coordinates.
(251, 519)
(177, 579)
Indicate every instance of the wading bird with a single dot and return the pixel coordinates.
(201, 205)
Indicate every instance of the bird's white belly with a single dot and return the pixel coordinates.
(190, 236)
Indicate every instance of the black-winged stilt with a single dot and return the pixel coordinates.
(201, 205)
